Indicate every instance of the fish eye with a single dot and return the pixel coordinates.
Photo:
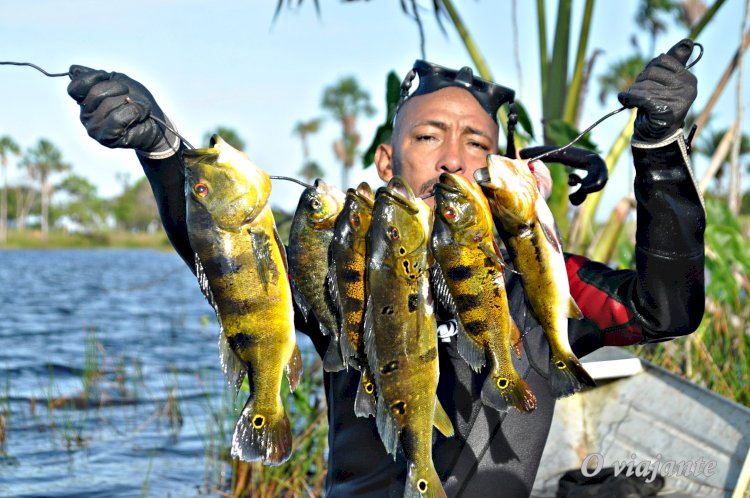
(449, 213)
(355, 221)
(315, 204)
(201, 189)
(393, 233)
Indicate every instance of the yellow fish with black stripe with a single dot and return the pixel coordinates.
(474, 290)
(347, 285)
(241, 268)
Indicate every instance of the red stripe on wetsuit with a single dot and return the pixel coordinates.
(613, 318)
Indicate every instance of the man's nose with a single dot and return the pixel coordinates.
(451, 160)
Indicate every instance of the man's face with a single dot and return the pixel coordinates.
(443, 131)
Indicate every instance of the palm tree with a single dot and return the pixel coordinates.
(311, 170)
(346, 101)
(620, 76)
(650, 17)
(7, 145)
(42, 162)
(303, 129)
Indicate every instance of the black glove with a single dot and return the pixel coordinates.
(663, 93)
(116, 112)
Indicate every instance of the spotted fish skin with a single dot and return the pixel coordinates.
(401, 333)
(473, 269)
(529, 232)
(241, 268)
(347, 285)
(309, 240)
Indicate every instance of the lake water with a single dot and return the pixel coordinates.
(109, 376)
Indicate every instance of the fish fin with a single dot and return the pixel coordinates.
(500, 393)
(441, 420)
(264, 264)
(332, 360)
(388, 427)
(293, 369)
(493, 256)
(233, 367)
(551, 237)
(364, 403)
(348, 353)
(423, 483)
(515, 338)
(370, 351)
(573, 310)
(203, 283)
(469, 350)
(282, 248)
(332, 287)
(262, 436)
(302, 303)
(440, 288)
(567, 375)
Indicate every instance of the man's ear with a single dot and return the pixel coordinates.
(384, 161)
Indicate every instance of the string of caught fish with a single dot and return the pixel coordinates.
(363, 269)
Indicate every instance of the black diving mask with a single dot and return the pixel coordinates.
(433, 77)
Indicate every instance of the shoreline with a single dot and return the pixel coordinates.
(115, 239)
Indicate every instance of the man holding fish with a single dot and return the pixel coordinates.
(444, 132)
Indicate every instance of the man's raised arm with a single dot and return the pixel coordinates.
(116, 111)
(664, 297)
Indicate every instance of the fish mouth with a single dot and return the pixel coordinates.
(400, 192)
(331, 192)
(364, 194)
(210, 153)
(216, 140)
(448, 182)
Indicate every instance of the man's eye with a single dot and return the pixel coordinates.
(424, 138)
(479, 145)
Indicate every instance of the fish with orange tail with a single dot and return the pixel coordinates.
(471, 285)
(530, 235)
(241, 268)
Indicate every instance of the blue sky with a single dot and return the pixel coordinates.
(221, 62)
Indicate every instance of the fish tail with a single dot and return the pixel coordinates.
(501, 390)
(263, 435)
(567, 375)
(364, 403)
(333, 361)
(423, 482)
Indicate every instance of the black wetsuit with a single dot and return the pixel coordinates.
(492, 454)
